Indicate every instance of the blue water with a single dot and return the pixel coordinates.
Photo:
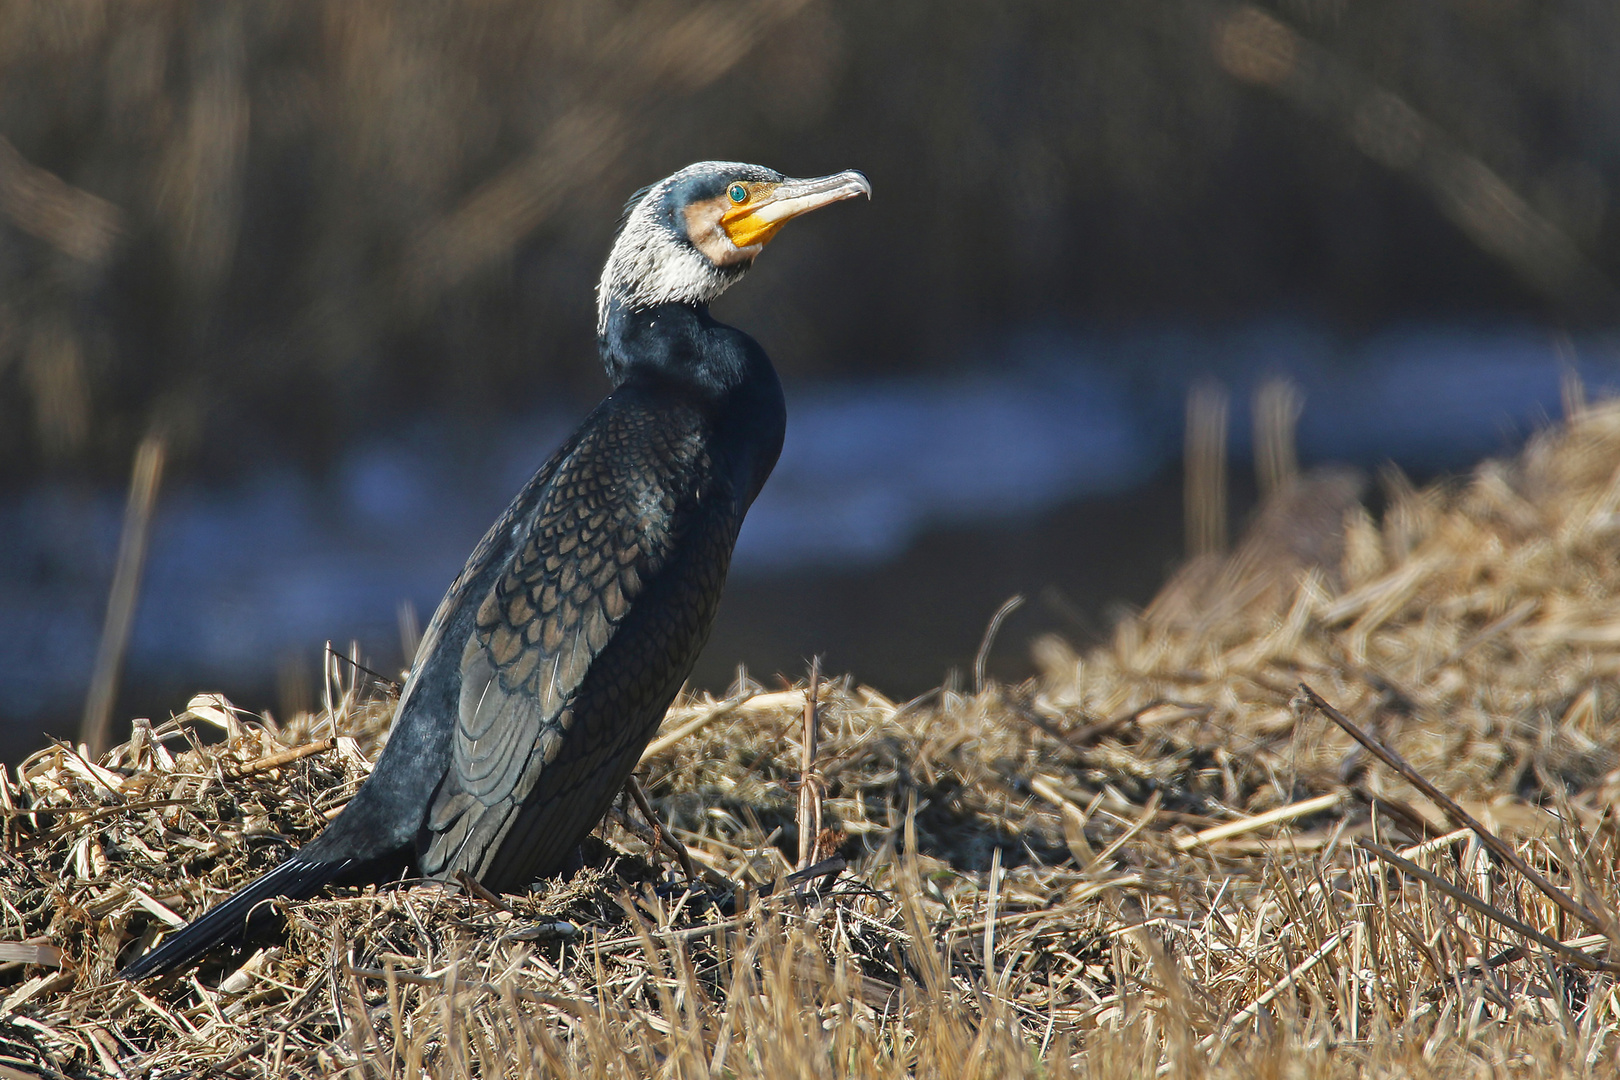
(241, 577)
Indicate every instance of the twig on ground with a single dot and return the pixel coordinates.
(1498, 847)
(476, 888)
(276, 761)
(661, 835)
(1462, 896)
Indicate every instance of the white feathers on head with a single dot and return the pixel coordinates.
(652, 263)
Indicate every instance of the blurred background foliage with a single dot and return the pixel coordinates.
(283, 222)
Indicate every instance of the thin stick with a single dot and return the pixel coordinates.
(1439, 843)
(809, 780)
(126, 587)
(93, 813)
(1456, 813)
(1468, 899)
(477, 888)
(661, 835)
(1409, 819)
(1077, 741)
(391, 687)
(1080, 740)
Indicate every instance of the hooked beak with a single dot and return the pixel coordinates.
(770, 206)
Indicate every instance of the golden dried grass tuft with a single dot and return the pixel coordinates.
(1154, 859)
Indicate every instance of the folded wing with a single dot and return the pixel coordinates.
(563, 681)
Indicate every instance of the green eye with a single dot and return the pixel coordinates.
(738, 193)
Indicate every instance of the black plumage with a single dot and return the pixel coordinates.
(551, 660)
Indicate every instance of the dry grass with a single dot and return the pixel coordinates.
(1153, 860)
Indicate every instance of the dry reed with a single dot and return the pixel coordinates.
(1155, 859)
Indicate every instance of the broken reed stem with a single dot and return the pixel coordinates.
(809, 816)
(991, 903)
(1498, 847)
(286, 757)
(1260, 821)
(1468, 899)
(1204, 492)
(981, 659)
(1277, 408)
(144, 480)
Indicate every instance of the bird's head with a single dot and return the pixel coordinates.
(686, 238)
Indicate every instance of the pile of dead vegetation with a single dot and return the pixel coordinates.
(1162, 857)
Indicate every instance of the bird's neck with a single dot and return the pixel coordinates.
(679, 348)
(680, 342)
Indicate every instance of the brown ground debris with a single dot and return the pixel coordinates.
(1155, 859)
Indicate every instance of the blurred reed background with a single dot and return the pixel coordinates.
(269, 231)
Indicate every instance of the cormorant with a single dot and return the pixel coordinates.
(550, 662)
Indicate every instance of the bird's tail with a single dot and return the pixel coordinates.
(298, 878)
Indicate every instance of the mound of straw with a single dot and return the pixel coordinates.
(1161, 857)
